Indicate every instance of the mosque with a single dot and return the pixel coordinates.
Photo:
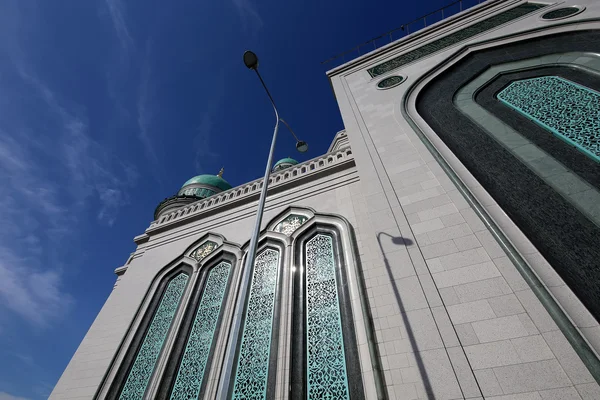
(447, 246)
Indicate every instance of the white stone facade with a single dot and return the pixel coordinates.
(440, 307)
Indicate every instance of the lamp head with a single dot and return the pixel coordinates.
(301, 146)
(250, 59)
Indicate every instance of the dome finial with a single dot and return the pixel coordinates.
(220, 174)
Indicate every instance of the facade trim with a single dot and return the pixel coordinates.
(550, 304)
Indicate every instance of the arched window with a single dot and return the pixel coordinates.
(325, 362)
(177, 336)
(311, 305)
(188, 368)
(256, 360)
(136, 369)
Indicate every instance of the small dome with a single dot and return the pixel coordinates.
(286, 160)
(211, 180)
(284, 163)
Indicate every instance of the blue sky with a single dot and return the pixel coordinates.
(108, 106)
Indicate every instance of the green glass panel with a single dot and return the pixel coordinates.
(144, 364)
(326, 363)
(203, 250)
(290, 224)
(253, 360)
(568, 110)
(456, 37)
(191, 370)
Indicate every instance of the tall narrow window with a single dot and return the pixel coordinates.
(145, 361)
(195, 357)
(325, 363)
(252, 370)
(326, 375)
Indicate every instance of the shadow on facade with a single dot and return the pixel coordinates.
(400, 241)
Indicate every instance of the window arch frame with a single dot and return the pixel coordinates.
(280, 243)
(123, 360)
(223, 253)
(298, 354)
(139, 327)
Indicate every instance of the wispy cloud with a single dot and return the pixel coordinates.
(251, 19)
(115, 7)
(8, 396)
(204, 134)
(52, 173)
(145, 102)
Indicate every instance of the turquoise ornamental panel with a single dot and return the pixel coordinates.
(568, 110)
(203, 250)
(191, 370)
(454, 38)
(326, 363)
(290, 224)
(253, 360)
(142, 369)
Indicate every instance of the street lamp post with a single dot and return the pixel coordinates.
(251, 61)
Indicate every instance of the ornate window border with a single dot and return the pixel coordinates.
(278, 242)
(209, 238)
(299, 352)
(173, 362)
(146, 316)
(274, 225)
(116, 376)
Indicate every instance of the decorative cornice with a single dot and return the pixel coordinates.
(340, 141)
(455, 37)
(282, 180)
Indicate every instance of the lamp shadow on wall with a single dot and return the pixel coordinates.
(400, 241)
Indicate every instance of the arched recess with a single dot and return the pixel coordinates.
(252, 366)
(195, 359)
(289, 220)
(204, 246)
(150, 331)
(329, 311)
(115, 381)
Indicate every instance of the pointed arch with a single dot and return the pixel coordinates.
(150, 331)
(198, 349)
(330, 311)
(202, 247)
(254, 347)
(283, 222)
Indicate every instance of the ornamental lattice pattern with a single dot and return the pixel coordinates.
(454, 38)
(253, 360)
(203, 250)
(142, 369)
(568, 110)
(290, 224)
(326, 363)
(193, 364)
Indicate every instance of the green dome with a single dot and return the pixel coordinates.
(212, 180)
(286, 160)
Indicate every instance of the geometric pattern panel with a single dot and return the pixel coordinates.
(454, 38)
(142, 369)
(253, 360)
(203, 250)
(191, 370)
(568, 110)
(290, 224)
(326, 362)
